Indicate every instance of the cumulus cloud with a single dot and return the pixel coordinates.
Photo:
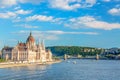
(59, 4)
(45, 18)
(90, 3)
(64, 4)
(14, 14)
(23, 11)
(31, 1)
(55, 32)
(30, 26)
(114, 11)
(51, 35)
(58, 32)
(26, 26)
(37, 35)
(39, 18)
(7, 3)
(91, 22)
(71, 4)
(17, 19)
(8, 15)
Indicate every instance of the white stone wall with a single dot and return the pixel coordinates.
(31, 56)
(31, 52)
(6, 55)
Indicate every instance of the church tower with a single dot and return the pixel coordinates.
(30, 42)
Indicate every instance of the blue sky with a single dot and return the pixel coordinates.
(93, 23)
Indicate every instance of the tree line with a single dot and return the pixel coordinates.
(74, 50)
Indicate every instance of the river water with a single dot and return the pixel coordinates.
(66, 70)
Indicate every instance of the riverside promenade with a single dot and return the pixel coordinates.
(13, 64)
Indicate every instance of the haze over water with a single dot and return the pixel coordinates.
(82, 70)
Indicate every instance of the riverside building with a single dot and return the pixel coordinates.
(27, 52)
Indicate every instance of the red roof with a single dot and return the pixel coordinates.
(30, 38)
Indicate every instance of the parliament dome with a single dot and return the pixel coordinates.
(30, 38)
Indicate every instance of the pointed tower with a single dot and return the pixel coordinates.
(39, 45)
(42, 44)
(30, 41)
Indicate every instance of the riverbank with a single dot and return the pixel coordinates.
(8, 64)
(98, 59)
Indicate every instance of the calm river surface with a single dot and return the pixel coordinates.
(66, 70)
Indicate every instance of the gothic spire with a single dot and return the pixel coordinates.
(43, 46)
(30, 33)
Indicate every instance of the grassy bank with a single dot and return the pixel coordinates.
(2, 60)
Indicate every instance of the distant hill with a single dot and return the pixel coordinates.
(74, 50)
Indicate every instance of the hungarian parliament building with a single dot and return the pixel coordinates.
(27, 52)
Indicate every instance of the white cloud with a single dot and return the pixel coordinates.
(17, 19)
(39, 18)
(37, 35)
(56, 32)
(8, 15)
(29, 26)
(16, 8)
(60, 4)
(65, 32)
(26, 26)
(7, 3)
(90, 3)
(110, 0)
(91, 22)
(14, 14)
(114, 11)
(31, 1)
(64, 4)
(71, 4)
(51, 35)
(23, 12)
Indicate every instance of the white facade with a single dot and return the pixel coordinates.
(28, 51)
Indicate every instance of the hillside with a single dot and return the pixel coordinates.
(74, 50)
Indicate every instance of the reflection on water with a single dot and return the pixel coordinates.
(82, 70)
(21, 73)
(40, 67)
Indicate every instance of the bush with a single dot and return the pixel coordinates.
(2, 60)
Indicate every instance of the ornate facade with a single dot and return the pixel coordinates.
(29, 52)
